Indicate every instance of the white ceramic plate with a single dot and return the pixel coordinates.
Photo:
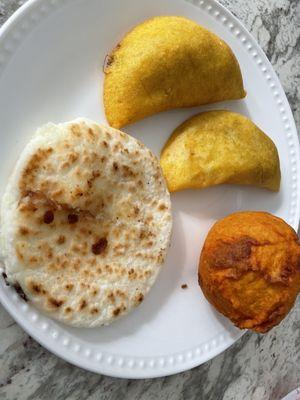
(51, 56)
(294, 395)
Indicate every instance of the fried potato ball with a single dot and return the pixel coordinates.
(249, 269)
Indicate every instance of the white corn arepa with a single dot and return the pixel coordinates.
(85, 222)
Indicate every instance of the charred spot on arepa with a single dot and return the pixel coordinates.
(117, 311)
(61, 239)
(23, 230)
(111, 297)
(82, 304)
(94, 291)
(69, 287)
(55, 302)
(48, 217)
(99, 246)
(162, 207)
(139, 297)
(72, 218)
(36, 288)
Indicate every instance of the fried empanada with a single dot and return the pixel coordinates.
(164, 63)
(218, 147)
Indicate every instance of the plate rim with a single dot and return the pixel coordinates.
(157, 366)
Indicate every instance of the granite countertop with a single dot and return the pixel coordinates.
(256, 367)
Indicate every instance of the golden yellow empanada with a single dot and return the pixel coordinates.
(164, 63)
(219, 147)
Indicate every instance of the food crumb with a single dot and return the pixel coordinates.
(184, 286)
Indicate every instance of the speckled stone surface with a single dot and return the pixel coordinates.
(256, 367)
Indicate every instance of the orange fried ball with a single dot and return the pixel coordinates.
(250, 269)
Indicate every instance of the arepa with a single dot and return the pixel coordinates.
(85, 222)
